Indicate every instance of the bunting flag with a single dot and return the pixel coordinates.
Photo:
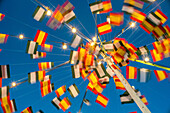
(1, 16)
(93, 78)
(46, 87)
(31, 47)
(97, 51)
(102, 100)
(90, 86)
(108, 46)
(73, 90)
(100, 71)
(143, 75)
(96, 7)
(69, 16)
(58, 15)
(109, 71)
(4, 71)
(73, 57)
(81, 53)
(75, 71)
(5, 100)
(159, 47)
(38, 55)
(45, 65)
(3, 38)
(142, 50)
(53, 23)
(138, 16)
(9, 107)
(143, 98)
(116, 19)
(128, 9)
(159, 32)
(126, 98)
(136, 3)
(68, 6)
(76, 41)
(27, 110)
(47, 47)
(33, 77)
(166, 53)
(56, 102)
(88, 60)
(156, 57)
(131, 72)
(118, 83)
(84, 72)
(167, 29)
(39, 13)
(47, 77)
(40, 37)
(97, 88)
(160, 75)
(161, 15)
(4, 91)
(65, 104)
(60, 91)
(166, 43)
(107, 6)
(154, 18)
(124, 63)
(104, 28)
(87, 102)
(40, 111)
(104, 80)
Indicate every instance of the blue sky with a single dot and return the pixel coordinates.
(19, 20)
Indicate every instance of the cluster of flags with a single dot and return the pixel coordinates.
(29, 110)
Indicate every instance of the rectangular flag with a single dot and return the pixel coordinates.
(109, 71)
(138, 16)
(46, 88)
(159, 32)
(102, 100)
(143, 75)
(33, 77)
(81, 54)
(1, 16)
(107, 6)
(58, 15)
(75, 71)
(118, 83)
(84, 72)
(47, 47)
(68, 6)
(154, 18)
(56, 102)
(116, 19)
(45, 65)
(128, 9)
(73, 57)
(108, 46)
(38, 55)
(126, 98)
(60, 91)
(100, 71)
(104, 80)
(160, 75)
(131, 72)
(93, 78)
(4, 71)
(4, 91)
(69, 16)
(167, 29)
(97, 88)
(73, 90)
(143, 98)
(65, 104)
(76, 41)
(9, 107)
(88, 60)
(53, 23)
(39, 13)
(87, 102)
(136, 3)
(147, 25)
(40, 37)
(96, 7)
(159, 46)
(3, 38)
(27, 110)
(161, 15)
(104, 28)
(156, 57)
(31, 47)
(142, 50)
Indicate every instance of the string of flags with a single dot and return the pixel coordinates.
(86, 61)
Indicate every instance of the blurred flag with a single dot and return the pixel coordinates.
(138, 16)
(104, 79)
(118, 83)
(39, 13)
(147, 25)
(116, 19)
(65, 104)
(3, 38)
(107, 6)
(143, 98)
(142, 50)
(159, 32)
(159, 46)
(38, 55)
(40, 111)
(161, 15)
(102, 100)
(46, 87)
(96, 7)
(75, 71)
(73, 90)
(108, 46)
(73, 57)
(93, 78)
(136, 3)
(109, 71)
(47, 47)
(86, 101)
(68, 6)
(154, 18)
(104, 28)
(4, 71)
(45, 65)
(88, 60)
(9, 107)
(31, 47)
(33, 77)
(131, 72)
(76, 41)
(81, 54)
(56, 102)
(60, 91)
(27, 110)
(40, 37)
(160, 75)
(143, 75)
(1, 16)
(128, 9)
(4, 91)
(156, 57)
(167, 29)
(100, 71)
(69, 16)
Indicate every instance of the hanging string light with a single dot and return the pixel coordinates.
(64, 45)
(132, 24)
(21, 36)
(49, 12)
(13, 84)
(74, 30)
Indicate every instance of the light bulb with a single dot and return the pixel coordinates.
(64, 46)
(92, 43)
(146, 59)
(49, 12)
(132, 24)
(94, 39)
(14, 84)
(99, 63)
(74, 30)
(21, 36)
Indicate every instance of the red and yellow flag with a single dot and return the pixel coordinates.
(116, 18)
(159, 46)
(160, 75)
(40, 37)
(156, 57)
(1, 16)
(104, 28)
(65, 104)
(60, 91)
(118, 83)
(107, 6)
(138, 16)
(93, 78)
(3, 38)
(131, 72)
(161, 15)
(88, 60)
(45, 65)
(27, 110)
(102, 100)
